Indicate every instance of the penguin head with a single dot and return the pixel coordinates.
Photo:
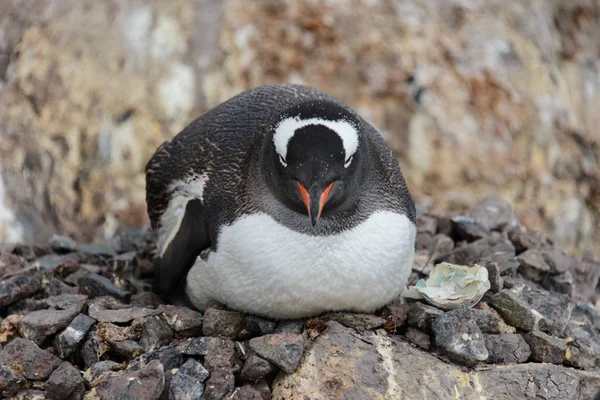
(315, 159)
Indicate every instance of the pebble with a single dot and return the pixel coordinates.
(493, 213)
(516, 311)
(95, 285)
(188, 381)
(10, 381)
(507, 348)
(395, 315)
(583, 346)
(493, 248)
(467, 228)
(100, 250)
(120, 316)
(256, 368)
(523, 239)
(168, 356)
(418, 337)
(421, 316)
(62, 244)
(219, 385)
(496, 280)
(90, 350)
(586, 275)
(60, 265)
(291, 326)
(28, 359)
(223, 323)
(11, 264)
(532, 265)
(182, 320)
(146, 299)
(562, 283)
(99, 368)
(285, 351)
(246, 392)
(546, 348)
(488, 322)
(356, 320)
(555, 307)
(18, 287)
(129, 349)
(72, 337)
(63, 381)
(146, 383)
(155, 333)
(260, 325)
(458, 336)
(37, 326)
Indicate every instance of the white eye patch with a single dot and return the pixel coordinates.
(286, 129)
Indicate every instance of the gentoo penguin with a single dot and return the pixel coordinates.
(281, 202)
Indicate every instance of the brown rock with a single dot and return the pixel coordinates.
(285, 351)
(63, 382)
(418, 337)
(356, 320)
(27, 359)
(507, 348)
(182, 320)
(147, 383)
(39, 325)
(546, 348)
(223, 323)
(256, 367)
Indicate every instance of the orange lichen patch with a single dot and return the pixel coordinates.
(9, 327)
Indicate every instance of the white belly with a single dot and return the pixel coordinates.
(264, 268)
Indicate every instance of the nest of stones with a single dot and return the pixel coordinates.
(79, 320)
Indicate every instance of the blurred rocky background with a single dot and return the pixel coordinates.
(500, 97)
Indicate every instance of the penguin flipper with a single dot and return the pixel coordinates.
(180, 254)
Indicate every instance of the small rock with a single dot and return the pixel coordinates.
(129, 349)
(99, 368)
(83, 270)
(426, 224)
(555, 308)
(75, 302)
(220, 384)
(503, 327)
(146, 299)
(395, 315)
(11, 264)
(113, 333)
(561, 283)
(155, 333)
(168, 356)
(188, 381)
(356, 320)
(292, 326)
(285, 351)
(60, 265)
(199, 346)
(496, 280)
(120, 316)
(99, 250)
(126, 262)
(260, 325)
(493, 248)
(457, 334)
(488, 322)
(29, 360)
(523, 239)
(18, 287)
(246, 392)
(263, 388)
(418, 337)
(546, 348)
(63, 381)
(533, 265)
(9, 327)
(493, 213)
(72, 337)
(466, 228)
(92, 349)
(256, 368)
(30, 252)
(95, 285)
(586, 275)
(442, 244)
(182, 320)
(515, 311)
(222, 355)
(421, 316)
(31, 394)
(507, 348)
(39, 325)
(558, 260)
(583, 345)
(56, 287)
(147, 383)
(62, 244)
(223, 323)
(10, 381)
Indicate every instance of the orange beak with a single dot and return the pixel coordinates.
(314, 201)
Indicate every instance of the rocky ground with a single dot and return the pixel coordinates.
(79, 322)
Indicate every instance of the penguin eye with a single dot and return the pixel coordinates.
(282, 160)
(348, 161)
